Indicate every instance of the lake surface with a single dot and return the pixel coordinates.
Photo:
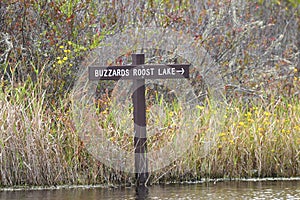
(218, 190)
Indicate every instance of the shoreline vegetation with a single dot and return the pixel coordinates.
(255, 45)
(41, 147)
(67, 187)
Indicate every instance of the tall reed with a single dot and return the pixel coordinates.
(39, 144)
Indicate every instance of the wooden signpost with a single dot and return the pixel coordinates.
(138, 72)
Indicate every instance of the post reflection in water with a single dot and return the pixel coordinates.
(141, 192)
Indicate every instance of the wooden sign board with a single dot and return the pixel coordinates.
(175, 71)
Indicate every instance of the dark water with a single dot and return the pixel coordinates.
(219, 190)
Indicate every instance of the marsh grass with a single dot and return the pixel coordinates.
(39, 144)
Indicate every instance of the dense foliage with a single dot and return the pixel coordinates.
(248, 39)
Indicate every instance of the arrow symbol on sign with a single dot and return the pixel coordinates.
(181, 71)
